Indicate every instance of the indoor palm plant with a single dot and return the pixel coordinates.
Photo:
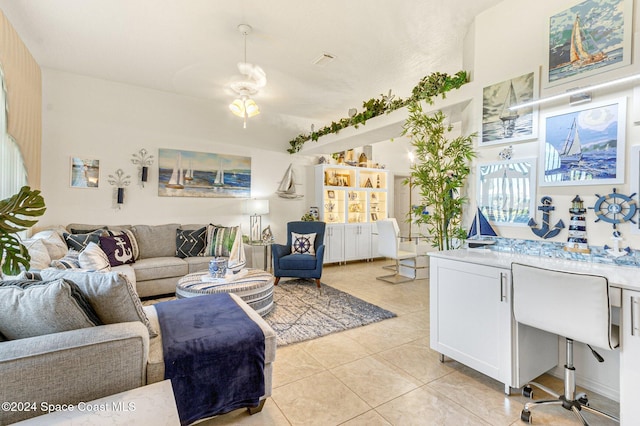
(440, 171)
(14, 214)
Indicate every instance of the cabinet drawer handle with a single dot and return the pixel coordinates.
(635, 306)
(502, 294)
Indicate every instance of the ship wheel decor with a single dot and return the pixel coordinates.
(615, 208)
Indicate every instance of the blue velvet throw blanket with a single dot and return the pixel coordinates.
(213, 354)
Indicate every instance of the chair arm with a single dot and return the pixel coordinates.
(280, 250)
(319, 256)
(72, 366)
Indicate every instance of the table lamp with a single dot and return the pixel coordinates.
(255, 208)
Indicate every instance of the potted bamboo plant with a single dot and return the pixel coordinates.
(440, 171)
(14, 214)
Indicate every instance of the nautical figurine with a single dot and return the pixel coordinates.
(545, 231)
(506, 153)
(615, 250)
(577, 241)
(480, 232)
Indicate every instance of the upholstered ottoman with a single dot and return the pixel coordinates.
(254, 286)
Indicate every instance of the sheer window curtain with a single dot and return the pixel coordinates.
(13, 174)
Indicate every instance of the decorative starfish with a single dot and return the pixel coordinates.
(387, 99)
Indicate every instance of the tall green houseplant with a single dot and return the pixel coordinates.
(14, 214)
(440, 171)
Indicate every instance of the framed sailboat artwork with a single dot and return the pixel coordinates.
(202, 174)
(501, 123)
(589, 38)
(584, 146)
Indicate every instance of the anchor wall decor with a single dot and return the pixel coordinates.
(545, 231)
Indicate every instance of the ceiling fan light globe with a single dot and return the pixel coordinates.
(251, 108)
(237, 107)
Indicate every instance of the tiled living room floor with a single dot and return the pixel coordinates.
(385, 373)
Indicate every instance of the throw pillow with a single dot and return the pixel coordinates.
(156, 241)
(190, 243)
(226, 242)
(92, 258)
(69, 261)
(54, 243)
(118, 249)
(303, 243)
(39, 254)
(33, 308)
(79, 241)
(111, 295)
(132, 239)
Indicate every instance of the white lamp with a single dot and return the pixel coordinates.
(255, 208)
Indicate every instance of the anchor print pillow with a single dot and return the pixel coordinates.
(118, 249)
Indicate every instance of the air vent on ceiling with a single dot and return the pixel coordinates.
(323, 59)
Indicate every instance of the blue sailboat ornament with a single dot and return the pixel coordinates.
(480, 232)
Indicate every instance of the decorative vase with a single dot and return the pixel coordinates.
(218, 267)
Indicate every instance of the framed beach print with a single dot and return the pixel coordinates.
(589, 38)
(84, 173)
(584, 145)
(203, 174)
(501, 123)
(506, 191)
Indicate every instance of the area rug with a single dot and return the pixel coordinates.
(301, 312)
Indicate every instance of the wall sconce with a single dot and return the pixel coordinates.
(119, 181)
(255, 208)
(143, 160)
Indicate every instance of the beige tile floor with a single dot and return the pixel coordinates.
(386, 374)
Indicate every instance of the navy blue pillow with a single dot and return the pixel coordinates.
(190, 243)
(79, 241)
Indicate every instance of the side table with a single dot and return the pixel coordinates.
(266, 247)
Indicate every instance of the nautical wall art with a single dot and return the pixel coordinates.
(589, 38)
(500, 123)
(506, 191)
(85, 173)
(584, 146)
(203, 174)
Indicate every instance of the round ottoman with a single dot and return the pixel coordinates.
(254, 286)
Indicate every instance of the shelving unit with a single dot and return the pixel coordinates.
(350, 200)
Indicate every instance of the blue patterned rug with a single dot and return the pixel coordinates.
(302, 313)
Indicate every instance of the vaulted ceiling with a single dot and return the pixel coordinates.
(192, 47)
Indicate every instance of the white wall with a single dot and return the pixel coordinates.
(109, 121)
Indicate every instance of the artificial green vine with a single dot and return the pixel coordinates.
(432, 85)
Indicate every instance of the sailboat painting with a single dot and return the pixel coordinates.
(203, 174)
(589, 38)
(585, 146)
(501, 123)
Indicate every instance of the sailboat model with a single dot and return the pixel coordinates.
(579, 55)
(188, 176)
(287, 187)
(480, 232)
(177, 180)
(572, 149)
(219, 179)
(508, 116)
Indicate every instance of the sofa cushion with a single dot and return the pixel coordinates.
(79, 241)
(38, 252)
(54, 243)
(69, 261)
(297, 261)
(160, 267)
(92, 258)
(156, 241)
(190, 243)
(198, 264)
(118, 249)
(111, 295)
(33, 308)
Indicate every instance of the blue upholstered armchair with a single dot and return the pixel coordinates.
(288, 264)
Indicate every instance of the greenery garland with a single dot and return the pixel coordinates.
(432, 85)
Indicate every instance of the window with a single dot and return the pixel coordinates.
(13, 174)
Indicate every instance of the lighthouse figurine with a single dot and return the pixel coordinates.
(577, 241)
